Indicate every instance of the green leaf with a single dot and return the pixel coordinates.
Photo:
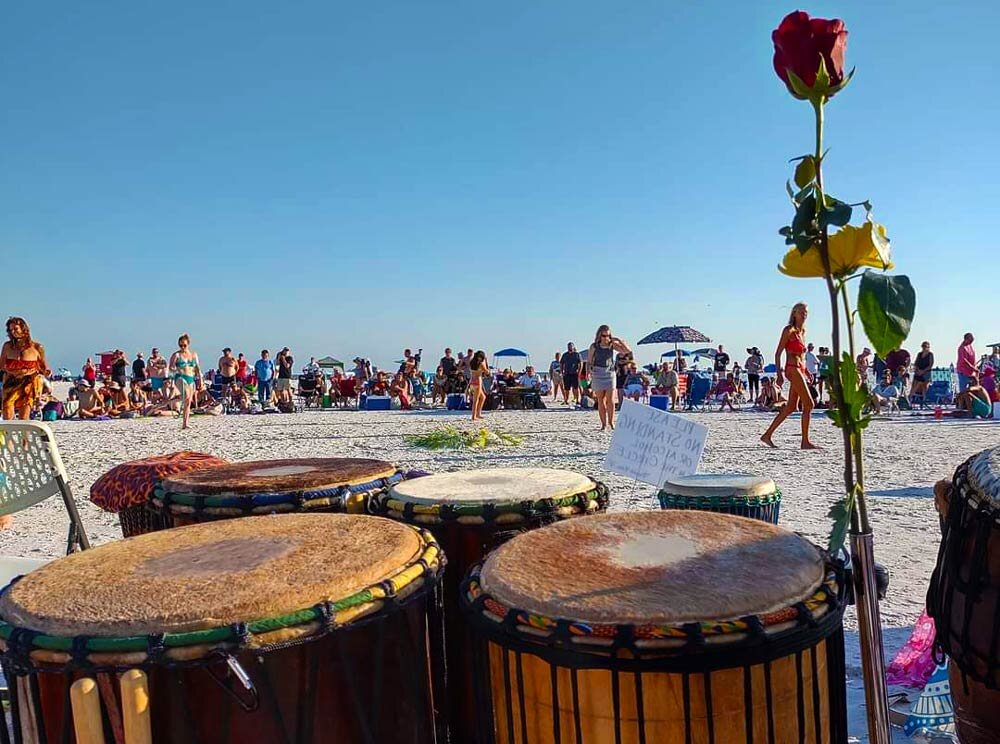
(805, 232)
(834, 415)
(822, 76)
(886, 305)
(847, 79)
(805, 172)
(854, 397)
(835, 213)
(840, 513)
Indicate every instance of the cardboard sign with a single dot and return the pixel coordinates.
(651, 445)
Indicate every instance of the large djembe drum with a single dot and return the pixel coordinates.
(728, 493)
(300, 628)
(662, 627)
(333, 484)
(470, 512)
(964, 594)
(127, 489)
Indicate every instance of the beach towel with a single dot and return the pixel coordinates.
(914, 664)
(933, 712)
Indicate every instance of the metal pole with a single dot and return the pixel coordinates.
(870, 637)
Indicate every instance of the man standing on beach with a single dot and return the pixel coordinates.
(812, 362)
(569, 364)
(721, 362)
(447, 363)
(264, 368)
(156, 368)
(966, 365)
(283, 387)
(227, 368)
(139, 369)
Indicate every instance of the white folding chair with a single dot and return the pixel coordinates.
(31, 471)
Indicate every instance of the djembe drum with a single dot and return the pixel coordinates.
(658, 627)
(743, 495)
(127, 489)
(335, 484)
(470, 512)
(964, 594)
(300, 628)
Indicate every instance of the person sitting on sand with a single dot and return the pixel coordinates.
(239, 398)
(634, 382)
(667, 383)
(400, 390)
(137, 401)
(725, 393)
(886, 392)
(91, 403)
(974, 399)
(205, 404)
(116, 402)
(769, 395)
(380, 385)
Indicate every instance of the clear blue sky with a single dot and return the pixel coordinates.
(353, 178)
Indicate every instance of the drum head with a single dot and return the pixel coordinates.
(664, 568)
(497, 486)
(984, 475)
(211, 575)
(721, 485)
(279, 476)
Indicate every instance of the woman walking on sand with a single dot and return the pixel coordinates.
(186, 371)
(478, 369)
(793, 343)
(601, 363)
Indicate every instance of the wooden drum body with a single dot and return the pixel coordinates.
(471, 512)
(324, 617)
(332, 484)
(658, 628)
(743, 495)
(964, 595)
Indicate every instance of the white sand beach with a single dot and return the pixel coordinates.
(906, 455)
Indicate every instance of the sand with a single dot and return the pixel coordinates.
(906, 455)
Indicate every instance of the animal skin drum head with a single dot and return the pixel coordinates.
(984, 475)
(497, 486)
(667, 567)
(278, 476)
(210, 575)
(721, 485)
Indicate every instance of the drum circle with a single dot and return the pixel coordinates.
(743, 495)
(630, 645)
(325, 646)
(273, 487)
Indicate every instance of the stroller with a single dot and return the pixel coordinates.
(308, 390)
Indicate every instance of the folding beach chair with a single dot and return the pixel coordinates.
(698, 393)
(31, 471)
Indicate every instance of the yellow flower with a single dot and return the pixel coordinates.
(850, 249)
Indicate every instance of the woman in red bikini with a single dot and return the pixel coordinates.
(793, 343)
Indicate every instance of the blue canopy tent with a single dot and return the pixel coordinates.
(510, 353)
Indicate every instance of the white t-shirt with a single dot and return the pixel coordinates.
(812, 363)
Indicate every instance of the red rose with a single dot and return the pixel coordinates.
(799, 44)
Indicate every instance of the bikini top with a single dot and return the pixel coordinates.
(19, 367)
(186, 363)
(794, 344)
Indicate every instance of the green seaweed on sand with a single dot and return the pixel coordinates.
(450, 437)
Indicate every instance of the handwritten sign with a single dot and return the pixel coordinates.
(651, 445)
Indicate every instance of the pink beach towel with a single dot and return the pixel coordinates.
(914, 663)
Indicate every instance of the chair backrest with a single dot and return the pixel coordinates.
(29, 465)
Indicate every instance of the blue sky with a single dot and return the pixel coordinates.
(353, 178)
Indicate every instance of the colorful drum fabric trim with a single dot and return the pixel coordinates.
(186, 594)
(127, 489)
(272, 486)
(659, 626)
(502, 496)
(743, 495)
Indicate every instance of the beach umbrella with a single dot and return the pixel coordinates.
(710, 353)
(676, 335)
(672, 354)
(770, 369)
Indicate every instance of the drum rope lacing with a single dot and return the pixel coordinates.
(337, 496)
(226, 640)
(387, 505)
(743, 500)
(971, 516)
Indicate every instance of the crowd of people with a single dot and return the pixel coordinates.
(601, 377)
